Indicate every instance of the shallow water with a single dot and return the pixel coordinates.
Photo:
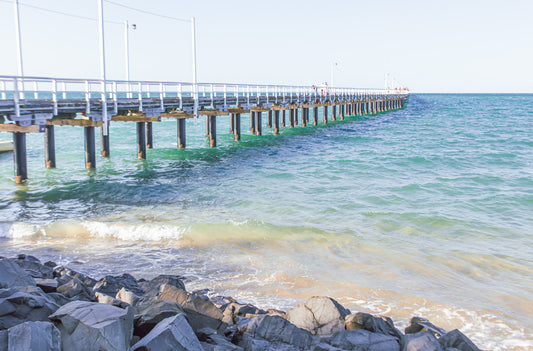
(423, 211)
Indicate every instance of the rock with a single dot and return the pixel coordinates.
(3, 340)
(21, 306)
(11, 275)
(34, 336)
(173, 333)
(127, 296)
(47, 285)
(234, 309)
(273, 329)
(110, 285)
(423, 341)
(34, 267)
(103, 298)
(374, 324)
(360, 339)
(59, 299)
(149, 313)
(50, 264)
(419, 324)
(457, 340)
(63, 275)
(320, 315)
(94, 326)
(75, 289)
(152, 287)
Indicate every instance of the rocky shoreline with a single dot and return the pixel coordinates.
(51, 307)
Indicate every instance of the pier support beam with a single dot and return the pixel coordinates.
(104, 143)
(269, 119)
(90, 148)
(141, 140)
(325, 114)
(283, 118)
(149, 136)
(341, 111)
(237, 126)
(315, 115)
(334, 112)
(276, 122)
(212, 130)
(291, 118)
(182, 135)
(252, 122)
(258, 123)
(49, 147)
(19, 156)
(304, 116)
(296, 116)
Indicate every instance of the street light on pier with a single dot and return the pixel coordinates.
(333, 64)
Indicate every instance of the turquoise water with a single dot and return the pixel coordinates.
(422, 211)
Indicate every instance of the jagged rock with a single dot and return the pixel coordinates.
(275, 330)
(94, 326)
(103, 298)
(50, 264)
(457, 340)
(374, 324)
(11, 275)
(360, 339)
(419, 324)
(63, 275)
(234, 309)
(423, 341)
(152, 287)
(149, 313)
(127, 296)
(59, 299)
(34, 267)
(110, 285)
(21, 306)
(75, 289)
(173, 333)
(34, 336)
(47, 285)
(325, 347)
(3, 340)
(321, 315)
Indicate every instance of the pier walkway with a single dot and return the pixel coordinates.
(37, 105)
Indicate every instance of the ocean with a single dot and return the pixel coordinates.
(423, 211)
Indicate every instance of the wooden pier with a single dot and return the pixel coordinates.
(37, 105)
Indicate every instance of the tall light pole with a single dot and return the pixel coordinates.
(332, 69)
(19, 44)
(194, 78)
(127, 53)
(103, 95)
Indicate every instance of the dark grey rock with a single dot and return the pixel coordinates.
(173, 333)
(34, 336)
(34, 267)
(3, 340)
(59, 299)
(87, 326)
(457, 340)
(360, 339)
(151, 288)
(75, 289)
(127, 296)
(46, 285)
(21, 306)
(374, 324)
(321, 315)
(11, 275)
(149, 313)
(110, 285)
(103, 298)
(419, 324)
(63, 275)
(233, 310)
(422, 341)
(50, 264)
(28, 258)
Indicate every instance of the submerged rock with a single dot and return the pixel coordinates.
(34, 336)
(321, 315)
(173, 333)
(87, 326)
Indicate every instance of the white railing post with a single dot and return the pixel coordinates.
(64, 90)
(225, 96)
(35, 88)
(212, 96)
(3, 88)
(87, 98)
(180, 95)
(162, 96)
(140, 96)
(237, 95)
(16, 96)
(54, 96)
(115, 100)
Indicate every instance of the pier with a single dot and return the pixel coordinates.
(38, 105)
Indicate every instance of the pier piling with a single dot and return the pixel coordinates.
(212, 131)
(19, 156)
(49, 147)
(104, 143)
(141, 140)
(90, 148)
(149, 136)
(276, 122)
(182, 135)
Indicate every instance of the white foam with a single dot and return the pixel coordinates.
(19, 230)
(143, 231)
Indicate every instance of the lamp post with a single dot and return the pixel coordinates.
(127, 53)
(19, 44)
(332, 69)
(194, 78)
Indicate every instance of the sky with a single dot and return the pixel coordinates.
(430, 46)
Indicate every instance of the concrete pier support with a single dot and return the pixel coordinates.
(182, 135)
(19, 156)
(334, 112)
(296, 116)
(104, 143)
(90, 151)
(149, 136)
(325, 114)
(141, 140)
(304, 116)
(49, 147)
(236, 117)
(283, 118)
(269, 119)
(212, 130)
(259, 123)
(315, 116)
(342, 112)
(252, 122)
(291, 118)
(276, 122)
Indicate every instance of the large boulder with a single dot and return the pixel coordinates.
(374, 324)
(456, 339)
(110, 285)
(321, 315)
(265, 330)
(63, 275)
(360, 339)
(18, 306)
(3, 340)
(75, 289)
(423, 341)
(34, 267)
(419, 324)
(149, 313)
(127, 296)
(233, 310)
(11, 275)
(34, 336)
(87, 326)
(173, 333)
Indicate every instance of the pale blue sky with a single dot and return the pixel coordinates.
(430, 46)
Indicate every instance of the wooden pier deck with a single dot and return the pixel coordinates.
(37, 105)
